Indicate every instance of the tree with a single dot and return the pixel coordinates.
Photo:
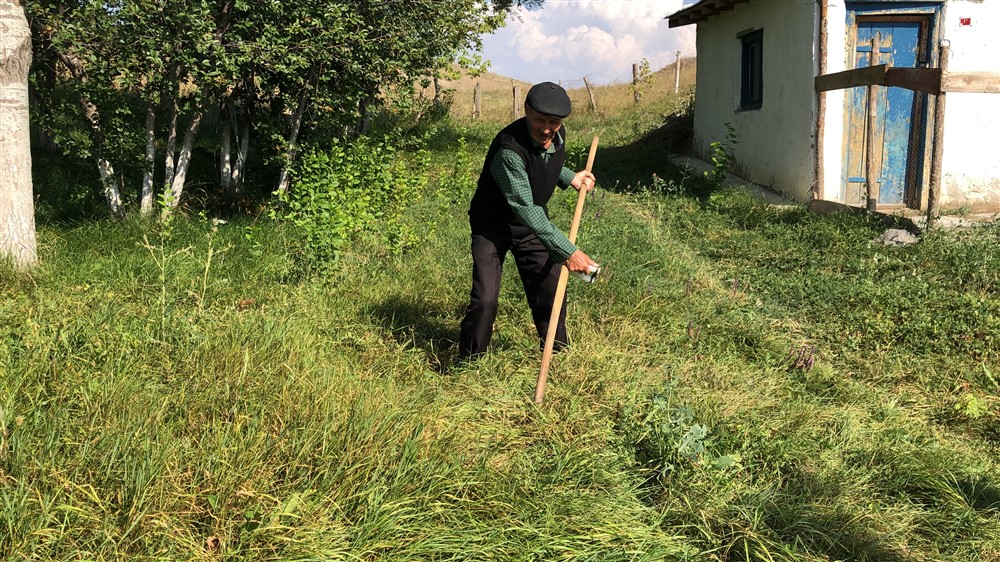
(17, 210)
(117, 74)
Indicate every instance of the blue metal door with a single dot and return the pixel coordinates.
(900, 114)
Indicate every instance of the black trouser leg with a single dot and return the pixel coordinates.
(488, 253)
(540, 278)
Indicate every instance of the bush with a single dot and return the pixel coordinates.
(348, 189)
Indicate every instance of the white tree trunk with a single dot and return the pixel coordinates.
(171, 150)
(17, 209)
(241, 158)
(225, 148)
(183, 161)
(146, 199)
(111, 192)
(104, 167)
(293, 143)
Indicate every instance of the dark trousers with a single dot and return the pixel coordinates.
(539, 277)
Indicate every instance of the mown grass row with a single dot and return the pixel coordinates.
(741, 386)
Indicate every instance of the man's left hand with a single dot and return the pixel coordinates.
(584, 180)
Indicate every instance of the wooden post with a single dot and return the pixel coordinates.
(677, 72)
(937, 151)
(818, 191)
(477, 101)
(590, 92)
(635, 83)
(517, 97)
(871, 173)
(557, 303)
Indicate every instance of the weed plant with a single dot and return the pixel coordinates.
(745, 382)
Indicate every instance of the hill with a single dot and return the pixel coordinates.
(497, 92)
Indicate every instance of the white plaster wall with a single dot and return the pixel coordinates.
(833, 137)
(775, 146)
(971, 165)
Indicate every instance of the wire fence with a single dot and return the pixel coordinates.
(494, 99)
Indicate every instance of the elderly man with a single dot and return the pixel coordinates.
(508, 213)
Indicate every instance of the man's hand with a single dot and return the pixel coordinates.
(584, 180)
(580, 262)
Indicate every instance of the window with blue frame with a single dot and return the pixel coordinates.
(751, 73)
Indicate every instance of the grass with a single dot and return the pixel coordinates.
(198, 396)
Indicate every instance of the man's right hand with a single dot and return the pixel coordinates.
(580, 262)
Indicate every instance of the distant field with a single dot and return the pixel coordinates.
(497, 92)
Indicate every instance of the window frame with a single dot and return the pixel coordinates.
(751, 69)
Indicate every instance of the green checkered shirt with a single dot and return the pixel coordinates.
(512, 177)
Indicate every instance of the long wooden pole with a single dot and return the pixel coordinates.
(937, 149)
(550, 336)
(871, 172)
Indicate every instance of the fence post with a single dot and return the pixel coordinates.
(635, 83)
(517, 96)
(590, 92)
(477, 101)
(677, 72)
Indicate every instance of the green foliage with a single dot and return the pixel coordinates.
(667, 440)
(347, 189)
(99, 66)
(641, 82)
(722, 158)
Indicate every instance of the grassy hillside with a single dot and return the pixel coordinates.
(497, 92)
(745, 383)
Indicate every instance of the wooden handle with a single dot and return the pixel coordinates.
(550, 336)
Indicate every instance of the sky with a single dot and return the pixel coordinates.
(600, 39)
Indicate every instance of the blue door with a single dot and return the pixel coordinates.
(900, 114)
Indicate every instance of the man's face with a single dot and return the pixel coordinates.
(543, 127)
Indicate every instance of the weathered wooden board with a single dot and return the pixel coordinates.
(866, 76)
(971, 82)
(928, 80)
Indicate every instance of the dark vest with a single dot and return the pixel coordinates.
(489, 207)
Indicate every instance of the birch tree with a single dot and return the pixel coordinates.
(17, 212)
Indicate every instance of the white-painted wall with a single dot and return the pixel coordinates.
(775, 142)
(971, 167)
(837, 60)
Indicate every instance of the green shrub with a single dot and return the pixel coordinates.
(345, 190)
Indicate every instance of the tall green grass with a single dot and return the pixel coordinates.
(745, 383)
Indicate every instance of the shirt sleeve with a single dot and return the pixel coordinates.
(508, 169)
(566, 177)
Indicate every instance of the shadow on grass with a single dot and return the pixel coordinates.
(842, 534)
(419, 323)
(981, 493)
(633, 166)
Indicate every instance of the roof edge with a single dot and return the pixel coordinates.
(701, 11)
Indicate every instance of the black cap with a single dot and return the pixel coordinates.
(549, 99)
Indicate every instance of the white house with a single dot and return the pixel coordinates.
(758, 63)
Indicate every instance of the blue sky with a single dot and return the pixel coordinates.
(601, 39)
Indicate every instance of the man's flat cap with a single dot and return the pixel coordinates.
(549, 99)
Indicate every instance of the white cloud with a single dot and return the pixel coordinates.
(601, 39)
